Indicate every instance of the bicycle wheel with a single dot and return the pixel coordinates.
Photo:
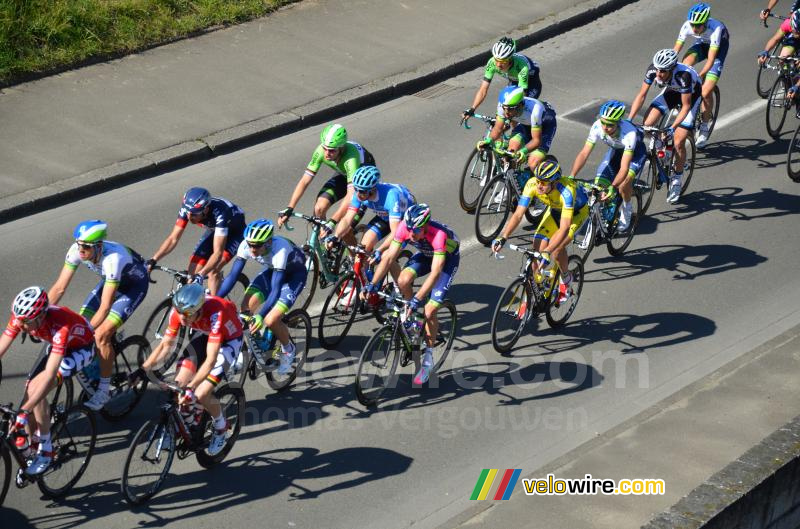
(585, 238)
(715, 97)
(233, 404)
(377, 365)
(558, 313)
(777, 107)
(154, 331)
(148, 462)
(793, 157)
(535, 218)
(447, 316)
(511, 314)
(237, 292)
(63, 396)
(5, 463)
(380, 311)
(477, 171)
(73, 434)
(617, 242)
(125, 397)
(688, 165)
(493, 209)
(339, 311)
(767, 73)
(645, 182)
(312, 280)
(299, 324)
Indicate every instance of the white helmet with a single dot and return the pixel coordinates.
(665, 59)
(30, 303)
(504, 48)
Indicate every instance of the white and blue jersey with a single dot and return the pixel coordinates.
(391, 202)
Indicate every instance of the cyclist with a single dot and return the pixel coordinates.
(568, 209)
(207, 357)
(388, 201)
(438, 255)
(682, 89)
(712, 40)
(772, 3)
(788, 34)
(623, 160)
(276, 288)
(122, 287)
(344, 157)
(520, 71)
(70, 337)
(224, 229)
(533, 125)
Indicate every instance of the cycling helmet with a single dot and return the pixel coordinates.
(699, 13)
(259, 231)
(612, 110)
(333, 136)
(366, 178)
(196, 199)
(794, 22)
(665, 59)
(189, 298)
(512, 96)
(91, 231)
(504, 48)
(30, 303)
(548, 170)
(417, 216)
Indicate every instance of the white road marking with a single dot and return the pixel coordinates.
(740, 113)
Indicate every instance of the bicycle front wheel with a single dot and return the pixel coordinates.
(148, 462)
(377, 366)
(154, 331)
(617, 241)
(793, 157)
(715, 100)
(777, 107)
(233, 404)
(125, 397)
(5, 463)
(767, 73)
(494, 206)
(688, 165)
(73, 434)
(299, 324)
(511, 314)
(339, 311)
(558, 313)
(477, 171)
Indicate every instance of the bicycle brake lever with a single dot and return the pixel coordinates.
(497, 256)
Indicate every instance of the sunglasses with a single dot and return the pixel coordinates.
(364, 193)
(698, 25)
(84, 246)
(608, 123)
(256, 244)
(502, 61)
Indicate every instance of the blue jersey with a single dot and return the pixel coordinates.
(391, 202)
(222, 215)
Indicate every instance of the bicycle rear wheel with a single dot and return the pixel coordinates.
(688, 165)
(477, 171)
(377, 365)
(494, 206)
(777, 107)
(767, 73)
(793, 157)
(312, 280)
(154, 331)
(233, 404)
(5, 469)
(299, 325)
(511, 314)
(585, 238)
(447, 317)
(73, 434)
(125, 397)
(715, 100)
(618, 242)
(645, 182)
(558, 313)
(339, 311)
(148, 461)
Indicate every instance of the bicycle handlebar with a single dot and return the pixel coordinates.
(318, 221)
(177, 274)
(489, 120)
(770, 15)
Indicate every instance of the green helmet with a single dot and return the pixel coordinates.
(259, 231)
(512, 96)
(699, 13)
(333, 136)
(612, 111)
(90, 231)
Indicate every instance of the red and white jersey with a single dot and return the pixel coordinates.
(64, 329)
(218, 319)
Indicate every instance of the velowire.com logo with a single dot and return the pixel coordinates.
(504, 487)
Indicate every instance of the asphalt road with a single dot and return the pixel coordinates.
(702, 283)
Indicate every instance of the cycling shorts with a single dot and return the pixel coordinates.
(549, 224)
(523, 132)
(335, 188)
(667, 101)
(379, 227)
(420, 265)
(609, 167)
(534, 83)
(73, 361)
(700, 50)
(194, 355)
(205, 246)
(129, 295)
(290, 289)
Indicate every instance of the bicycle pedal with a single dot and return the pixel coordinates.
(21, 480)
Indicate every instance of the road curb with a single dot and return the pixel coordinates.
(270, 127)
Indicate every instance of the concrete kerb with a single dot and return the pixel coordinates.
(269, 127)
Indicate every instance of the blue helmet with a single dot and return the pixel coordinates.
(366, 178)
(548, 170)
(259, 231)
(417, 216)
(612, 111)
(699, 13)
(90, 231)
(196, 199)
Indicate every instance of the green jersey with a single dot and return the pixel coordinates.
(351, 159)
(517, 73)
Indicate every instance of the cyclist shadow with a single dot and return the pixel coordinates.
(767, 203)
(756, 149)
(14, 518)
(685, 261)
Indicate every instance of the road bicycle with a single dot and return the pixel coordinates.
(396, 343)
(532, 293)
(181, 432)
(262, 355)
(500, 196)
(659, 167)
(73, 434)
(481, 166)
(601, 225)
(768, 72)
(778, 102)
(344, 302)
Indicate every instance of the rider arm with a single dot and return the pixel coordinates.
(497, 129)
(774, 39)
(274, 291)
(167, 342)
(580, 159)
(40, 391)
(686, 28)
(638, 101)
(624, 168)
(437, 265)
(343, 227)
(483, 89)
(388, 258)
(562, 233)
(301, 187)
(5, 343)
(525, 200)
(686, 106)
(106, 301)
(171, 241)
(230, 279)
(55, 292)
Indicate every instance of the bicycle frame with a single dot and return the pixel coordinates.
(328, 268)
(540, 280)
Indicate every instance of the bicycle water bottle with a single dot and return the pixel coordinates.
(23, 445)
(264, 340)
(92, 371)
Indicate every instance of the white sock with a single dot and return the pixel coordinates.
(287, 348)
(104, 383)
(219, 422)
(45, 444)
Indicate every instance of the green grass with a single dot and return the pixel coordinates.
(37, 36)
